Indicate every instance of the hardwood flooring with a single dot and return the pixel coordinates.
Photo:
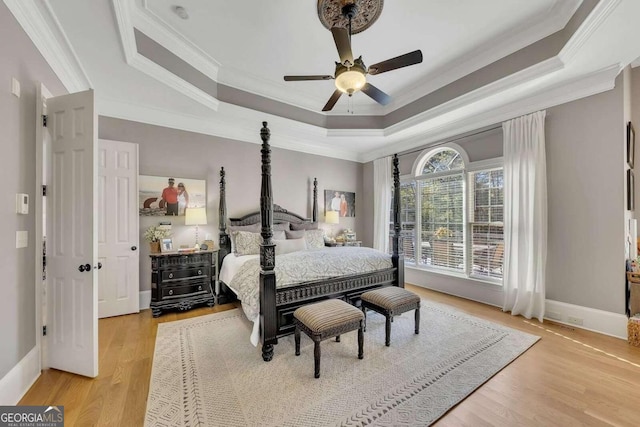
(571, 377)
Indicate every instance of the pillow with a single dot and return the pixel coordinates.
(304, 226)
(247, 243)
(314, 238)
(280, 226)
(279, 235)
(295, 234)
(290, 245)
(254, 228)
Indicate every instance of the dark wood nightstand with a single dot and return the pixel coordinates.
(183, 280)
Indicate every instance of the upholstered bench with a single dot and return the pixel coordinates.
(327, 319)
(391, 301)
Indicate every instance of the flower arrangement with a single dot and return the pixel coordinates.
(156, 233)
(443, 233)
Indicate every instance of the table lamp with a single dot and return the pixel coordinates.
(195, 216)
(331, 217)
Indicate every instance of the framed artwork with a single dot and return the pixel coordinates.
(631, 145)
(169, 196)
(342, 201)
(630, 190)
(166, 245)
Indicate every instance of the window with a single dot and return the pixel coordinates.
(451, 218)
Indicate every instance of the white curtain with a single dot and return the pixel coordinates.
(382, 183)
(525, 215)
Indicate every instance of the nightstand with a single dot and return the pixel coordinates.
(354, 243)
(183, 280)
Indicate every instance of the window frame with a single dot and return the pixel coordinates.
(468, 167)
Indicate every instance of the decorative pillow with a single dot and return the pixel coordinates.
(254, 228)
(304, 226)
(279, 235)
(314, 238)
(280, 226)
(299, 234)
(247, 243)
(290, 245)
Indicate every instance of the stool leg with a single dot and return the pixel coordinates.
(337, 338)
(417, 316)
(387, 330)
(316, 359)
(364, 311)
(297, 338)
(361, 340)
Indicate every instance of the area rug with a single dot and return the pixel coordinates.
(206, 373)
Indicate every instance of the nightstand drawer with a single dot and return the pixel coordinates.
(190, 288)
(184, 273)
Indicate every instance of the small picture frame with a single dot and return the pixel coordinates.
(631, 145)
(630, 190)
(166, 245)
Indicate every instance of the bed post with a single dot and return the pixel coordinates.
(225, 243)
(268, 319)
(314, 214)
(397, 259)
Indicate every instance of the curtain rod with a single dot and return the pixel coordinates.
(446, 141)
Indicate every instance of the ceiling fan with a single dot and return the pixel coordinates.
(350, 74)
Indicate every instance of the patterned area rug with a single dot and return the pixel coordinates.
(206, 373)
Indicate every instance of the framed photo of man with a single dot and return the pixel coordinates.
(170, 196)
(344, 202)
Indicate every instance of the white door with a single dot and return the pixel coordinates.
(72, 251)
(118, 277)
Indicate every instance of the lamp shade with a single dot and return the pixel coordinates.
(331, 217)
(195, 216)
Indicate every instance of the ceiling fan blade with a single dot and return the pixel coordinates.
(405, 60)
(332, 101)
(343, 44)
(376, 94)
(301, 78)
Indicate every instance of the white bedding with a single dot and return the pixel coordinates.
(298, 267)
(231, 264)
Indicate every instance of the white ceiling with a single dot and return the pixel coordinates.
(251, 44)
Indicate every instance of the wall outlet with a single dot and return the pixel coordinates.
(553, 315)
(575, 320)
(15, 87)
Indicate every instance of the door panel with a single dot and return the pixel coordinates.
(72, 230)
(118, 228)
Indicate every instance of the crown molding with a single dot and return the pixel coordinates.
(43, 28)
(232, 122)
(561, 93)
(123, 13)
(553, 20)
(598, 15)
(492, 89)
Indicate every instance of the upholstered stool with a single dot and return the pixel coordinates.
(391, 301)
(327, 319)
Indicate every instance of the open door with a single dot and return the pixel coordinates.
(72, 298)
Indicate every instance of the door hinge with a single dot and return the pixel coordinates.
(44, 120)
(44, 190)
(44, 331)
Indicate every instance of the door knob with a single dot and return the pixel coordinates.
(85, 267)
(99, 266)
(133, 248)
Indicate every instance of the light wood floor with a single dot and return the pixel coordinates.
(558, 382)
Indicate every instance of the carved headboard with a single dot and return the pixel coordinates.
(279, 215)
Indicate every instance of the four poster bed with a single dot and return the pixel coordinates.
(343, 273)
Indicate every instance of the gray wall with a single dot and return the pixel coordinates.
(20, 59)
(585, 179)
(170, 152)
(585, 142)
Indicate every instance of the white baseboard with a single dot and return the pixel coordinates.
(603, 322)
(18, 380)
(145, 299)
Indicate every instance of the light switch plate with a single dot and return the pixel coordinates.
(22, 239)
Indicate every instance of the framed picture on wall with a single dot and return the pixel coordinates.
(630, 190)
(170, 196)
(344, 202)
(631, 145)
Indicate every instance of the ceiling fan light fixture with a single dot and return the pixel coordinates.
(350, 81)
